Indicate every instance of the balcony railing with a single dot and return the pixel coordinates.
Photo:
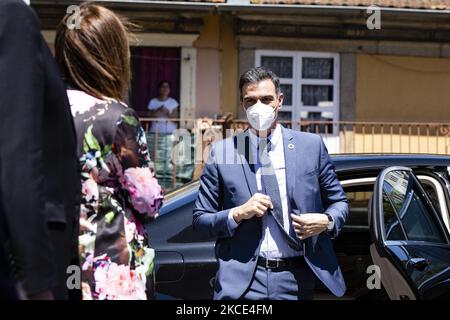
(178, 155)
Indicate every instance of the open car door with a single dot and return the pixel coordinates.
(410, 243)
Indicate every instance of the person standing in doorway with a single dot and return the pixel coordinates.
(165, 108)
(161, 135)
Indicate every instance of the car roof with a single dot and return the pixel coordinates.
(345, 162)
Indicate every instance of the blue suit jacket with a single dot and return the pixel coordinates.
(228, 181)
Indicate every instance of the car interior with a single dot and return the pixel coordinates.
(352, 245)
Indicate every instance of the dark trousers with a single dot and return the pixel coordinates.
(293, 283)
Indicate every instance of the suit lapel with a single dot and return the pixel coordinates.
(291, 163)
(242, 144)
(290, 159)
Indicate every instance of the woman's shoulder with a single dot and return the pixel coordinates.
(104, 115)
(172, 103)
(173, 100)
(83, 103)
(153, 103)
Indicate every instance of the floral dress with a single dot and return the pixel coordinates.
(119, 191)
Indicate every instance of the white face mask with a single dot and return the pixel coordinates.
(260, 116)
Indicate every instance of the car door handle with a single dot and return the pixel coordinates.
(418, 263)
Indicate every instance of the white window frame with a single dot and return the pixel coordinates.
(297, 107)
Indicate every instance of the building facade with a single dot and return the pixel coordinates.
(332, 65)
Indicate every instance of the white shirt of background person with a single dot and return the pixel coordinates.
(165, 126)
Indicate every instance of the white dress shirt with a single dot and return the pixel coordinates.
(273, 242)
(164, 125)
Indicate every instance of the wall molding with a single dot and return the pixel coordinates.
(146, 39)
(380, 47)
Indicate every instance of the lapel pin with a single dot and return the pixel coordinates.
(290, 146)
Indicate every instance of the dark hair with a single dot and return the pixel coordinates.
(96, 57)
(162, 82)
(258, 74)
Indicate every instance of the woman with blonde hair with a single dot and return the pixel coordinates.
(119, 190)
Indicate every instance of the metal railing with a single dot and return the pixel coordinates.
(177, 163)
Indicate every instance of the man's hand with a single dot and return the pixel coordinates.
(257, 205)
(309, 224)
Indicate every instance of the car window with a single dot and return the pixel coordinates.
(406, 212)
(417, 221)
(392, 225)
(437, 193)
(432, 193)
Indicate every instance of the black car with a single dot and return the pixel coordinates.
(398, 232)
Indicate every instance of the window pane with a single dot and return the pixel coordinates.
(319, 122)
(432, 192)
(418, 222)
(312, 95)
(391, 224)
(416, 216)
(395, 186)
(285, 116)
(317, 68)
(316, 116)
(282, 66)
(287, 91)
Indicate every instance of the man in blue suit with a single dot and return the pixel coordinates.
(272, 199)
